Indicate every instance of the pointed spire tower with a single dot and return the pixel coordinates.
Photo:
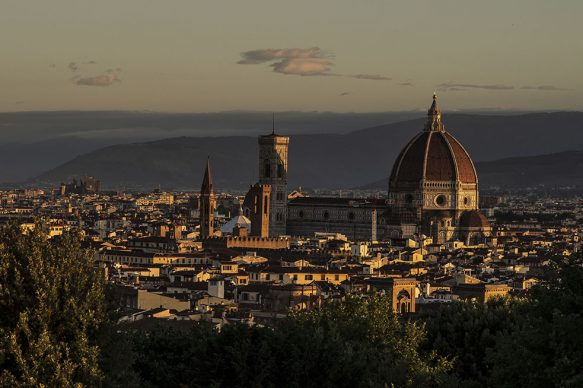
(207, 203)
(207, 180)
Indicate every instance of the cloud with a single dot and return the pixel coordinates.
(546, 88)
(254, 57)
(303, 67)
(311, 61)
(73, 66)
(372, 77)
(90, 63)
(455, 86)
(99, 80)
(345, 93)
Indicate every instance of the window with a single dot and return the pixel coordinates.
(326, 215)
(301, 214)
(267, 169)
(281, 277)
(280, 170)
(309, 277)
(323, 277)
(265, 204)
(336, 277)
(351, 216)
(440, 200)
(295, 277)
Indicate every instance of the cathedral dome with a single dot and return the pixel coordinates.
(432, 155)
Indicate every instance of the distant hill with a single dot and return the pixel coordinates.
(559, 169)
(32, 142)
(328, 160)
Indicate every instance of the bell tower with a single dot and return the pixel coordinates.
(273, 150)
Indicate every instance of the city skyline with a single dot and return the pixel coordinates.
(327, 56)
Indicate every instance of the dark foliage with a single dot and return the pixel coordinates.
(358, 342)
(51, 307)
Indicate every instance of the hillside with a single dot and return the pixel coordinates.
(333, 160)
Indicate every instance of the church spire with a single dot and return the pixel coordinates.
(207, 181)
(207, 203)
(434, 117)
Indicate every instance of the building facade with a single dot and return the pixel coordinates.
(357, 219)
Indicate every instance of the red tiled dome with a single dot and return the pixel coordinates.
(433, 155)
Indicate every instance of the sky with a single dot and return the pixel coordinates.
(305, 55)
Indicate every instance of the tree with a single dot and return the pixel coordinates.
(466, 331)
(358, 342)
(545, 346)
(530, 342)
(51, 306)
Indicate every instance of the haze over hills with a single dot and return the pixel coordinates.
(33, 142)
(338, 160)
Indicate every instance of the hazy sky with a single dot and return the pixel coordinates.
(337, 55)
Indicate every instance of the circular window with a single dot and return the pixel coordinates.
(301, 214)
(409, 198)
(440, 200)
(351, 216)
(326, 215)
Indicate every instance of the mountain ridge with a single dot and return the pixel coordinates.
(320, 160)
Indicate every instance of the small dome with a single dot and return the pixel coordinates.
(233, 222)
(473, 219)
(239, 220)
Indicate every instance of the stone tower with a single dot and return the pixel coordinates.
(273, 171)
(207, 204)
(257, 205)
